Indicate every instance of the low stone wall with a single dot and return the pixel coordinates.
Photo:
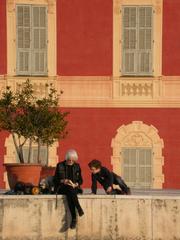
(106, 218)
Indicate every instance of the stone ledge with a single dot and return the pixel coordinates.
(106, 218)
(91, 196)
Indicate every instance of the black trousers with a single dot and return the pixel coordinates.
(117, 180)
(72, 199)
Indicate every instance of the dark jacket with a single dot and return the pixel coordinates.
(61, 174)
(104, 177)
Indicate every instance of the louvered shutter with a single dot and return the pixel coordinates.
(23, 40)
(145, 40)
(137, 167)
(144, 160)
(39, 43)
(129, 40)
(129, 166)
(137, 40)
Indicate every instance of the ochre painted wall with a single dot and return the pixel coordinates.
(84, 36)
(91, 132)
(3, 55)
(171, 38)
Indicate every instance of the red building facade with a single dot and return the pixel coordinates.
(117, 63)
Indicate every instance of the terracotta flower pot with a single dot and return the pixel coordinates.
(26, 173)
(47, 171)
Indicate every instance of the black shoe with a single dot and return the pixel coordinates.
(118, 191)
(80, 212)
(73, 224)
(128, 191)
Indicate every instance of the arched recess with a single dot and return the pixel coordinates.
(139, 135)
(11, 156)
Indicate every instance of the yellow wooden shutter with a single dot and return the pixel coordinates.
(23, 17)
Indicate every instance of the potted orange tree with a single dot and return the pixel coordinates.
(30, 119)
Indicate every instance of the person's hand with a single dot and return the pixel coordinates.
(76, 184)
(109, 189)
(70, 183)
(66, 181)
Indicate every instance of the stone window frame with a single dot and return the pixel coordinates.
(11, 35)
(157, 34)
(150, 137)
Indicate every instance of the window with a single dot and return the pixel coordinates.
(137, 167)
(34, 153)
(137, 40)
(31, 33)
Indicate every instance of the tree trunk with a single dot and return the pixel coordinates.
(47, 154)
(39, 149)
(21, 153)
(30, 150)
(17, 149)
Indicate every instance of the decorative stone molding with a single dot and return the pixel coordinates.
(51, 6)
(137, 140)
(39, 84)
(104, 91)
(137, 89)
(138, 134)
(10, 5)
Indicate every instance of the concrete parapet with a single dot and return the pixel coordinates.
(106, 218)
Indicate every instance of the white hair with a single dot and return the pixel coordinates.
(71, 153)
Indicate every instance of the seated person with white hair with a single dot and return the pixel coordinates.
(67, 181)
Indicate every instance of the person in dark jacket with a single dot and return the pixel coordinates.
(67, 181)
(106, 178)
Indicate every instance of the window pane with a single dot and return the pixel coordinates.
(26, 16)
(42, 62)
(129, 62)
(142, 17)
(42, 17)
(20, 16)
(130, 39)
(20, 37)
(130, 17)
(145, 62)
(36, 16)
(27, 38)
(42, 38)
(36, 62)
(36, 38)
(149, 17)
(148, 39)
(23, 61)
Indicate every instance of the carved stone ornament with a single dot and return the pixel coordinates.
(10, 5)
(137, 140)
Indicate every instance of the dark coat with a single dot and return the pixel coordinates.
(61, 174)
(104, 177)
(107, 179)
